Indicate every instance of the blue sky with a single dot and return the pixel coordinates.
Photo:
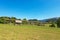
(30, 9)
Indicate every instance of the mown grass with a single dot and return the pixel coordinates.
(28, 32)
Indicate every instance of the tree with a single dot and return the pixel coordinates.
(25, 21)
(12, 19)
(4, 19)
(34, 22)
(58, 22)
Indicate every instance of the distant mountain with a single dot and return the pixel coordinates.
(49, 20)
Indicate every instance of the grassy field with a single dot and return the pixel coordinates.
(28, 32)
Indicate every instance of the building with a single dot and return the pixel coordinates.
(18, 21)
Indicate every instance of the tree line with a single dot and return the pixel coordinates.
(7, 20)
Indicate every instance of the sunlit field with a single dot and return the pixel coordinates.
(28, 32)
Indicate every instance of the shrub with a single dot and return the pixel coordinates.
(52, 25)
(38, 24)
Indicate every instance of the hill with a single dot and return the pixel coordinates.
(49, 20)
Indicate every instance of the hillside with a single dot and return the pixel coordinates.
(50, 19)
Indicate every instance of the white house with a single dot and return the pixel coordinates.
(18, 21)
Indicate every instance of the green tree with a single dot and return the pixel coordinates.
(34, 21)
(4, 19)
(58, 22)
(25, 21)
(12, 19)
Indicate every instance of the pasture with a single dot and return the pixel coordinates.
(28, 32)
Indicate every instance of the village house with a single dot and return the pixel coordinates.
(18, 21)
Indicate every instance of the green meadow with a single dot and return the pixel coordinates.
(28, 32)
